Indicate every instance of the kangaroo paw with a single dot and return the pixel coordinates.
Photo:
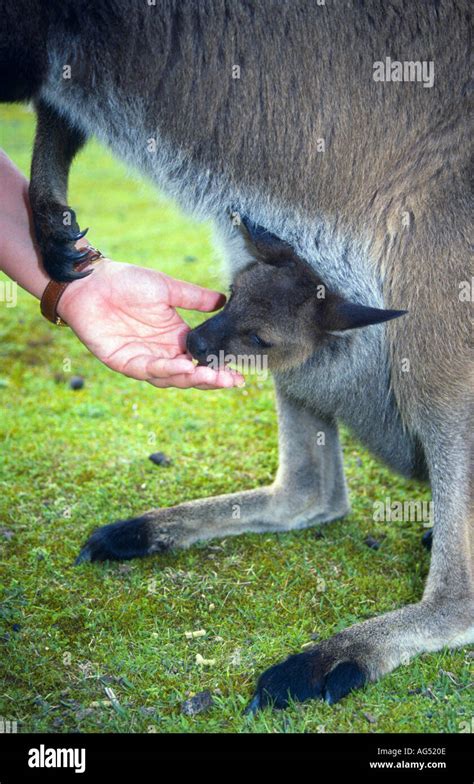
(305, 676)
(128, 539)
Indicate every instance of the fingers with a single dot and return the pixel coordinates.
(182, 294)
(180, 372)
(143, 367)
(161, 368)
(202, 378)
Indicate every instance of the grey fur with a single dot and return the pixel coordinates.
(392, 150)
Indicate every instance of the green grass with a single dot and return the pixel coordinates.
(73, 460)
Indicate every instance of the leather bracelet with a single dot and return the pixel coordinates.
(54, 290)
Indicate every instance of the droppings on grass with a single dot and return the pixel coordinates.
(198, 704)
(76, 382)
(202, 662)
(197, 633)
(159, 458)
(374, 544)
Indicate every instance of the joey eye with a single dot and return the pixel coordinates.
(258, 341)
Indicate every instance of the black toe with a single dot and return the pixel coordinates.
(345, 677)
(297, 679)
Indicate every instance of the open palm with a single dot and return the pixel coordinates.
(126, 317)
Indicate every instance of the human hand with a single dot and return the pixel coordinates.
(125, 315)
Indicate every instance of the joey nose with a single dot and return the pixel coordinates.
(197, 345)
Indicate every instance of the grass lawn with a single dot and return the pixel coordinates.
(74, 460)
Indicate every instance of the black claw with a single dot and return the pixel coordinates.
(80, 235)
(60, 257)
(70, 254)
(82, 255)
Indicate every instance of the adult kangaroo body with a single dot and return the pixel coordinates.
(368, 182)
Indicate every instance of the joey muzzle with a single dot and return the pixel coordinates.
(209, 338)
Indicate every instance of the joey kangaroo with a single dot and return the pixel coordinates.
(280, 111)
(279, 309)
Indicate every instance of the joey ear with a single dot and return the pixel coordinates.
(342, 315)
(262, 244)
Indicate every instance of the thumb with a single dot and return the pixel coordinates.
(182, 294)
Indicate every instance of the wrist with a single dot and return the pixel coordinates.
(76, 288)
